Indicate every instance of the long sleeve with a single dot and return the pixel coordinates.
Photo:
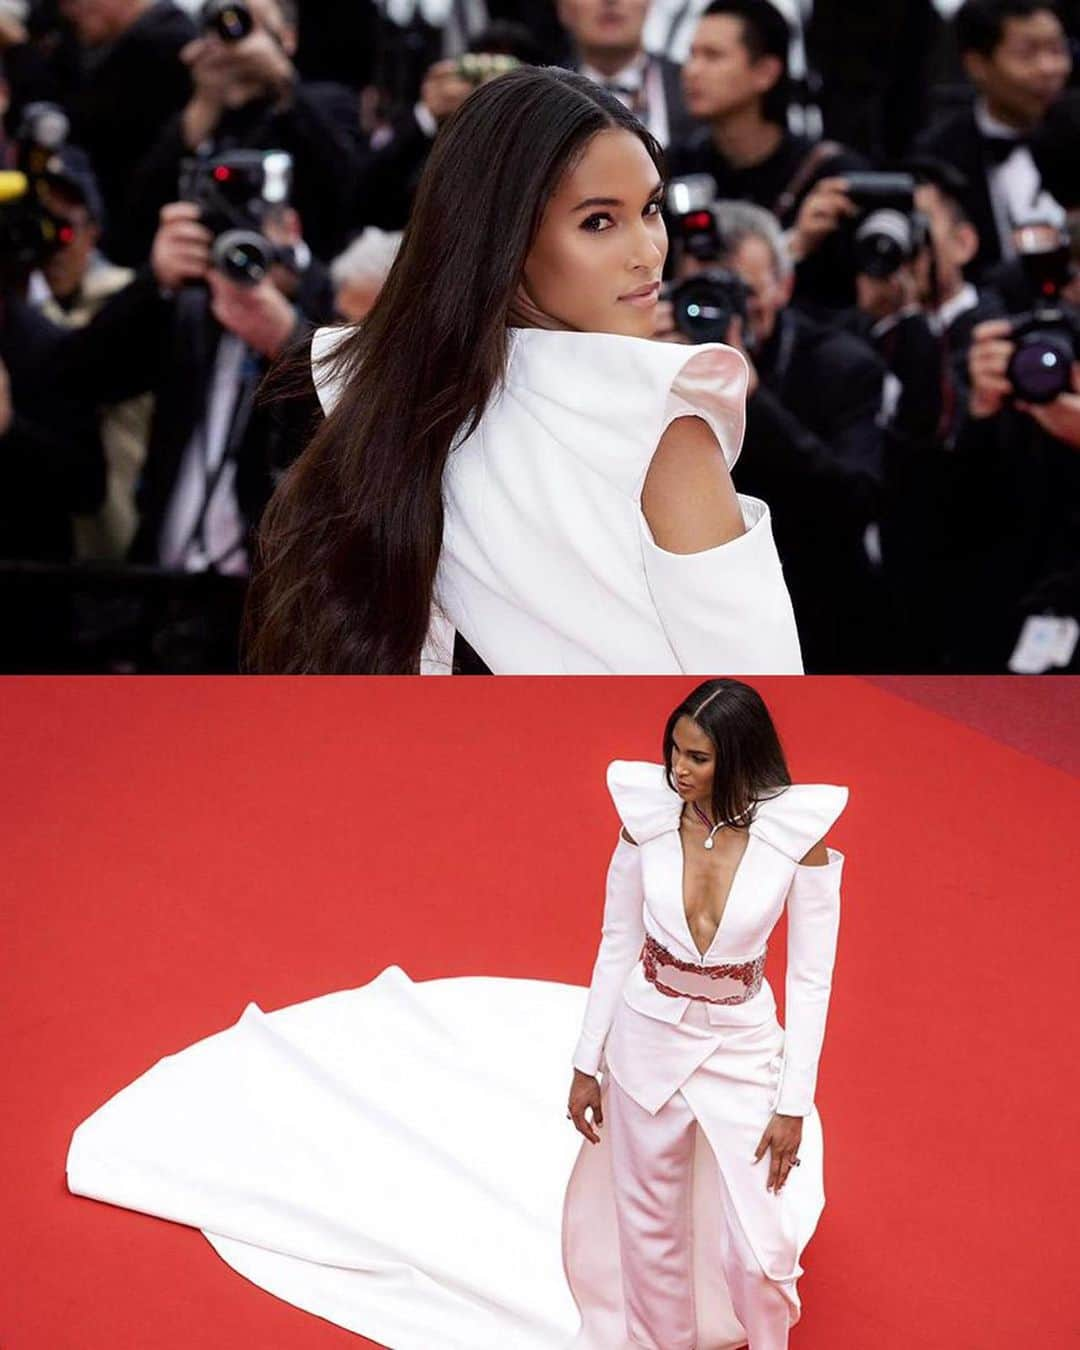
(726, 606)
(620, 944)
(813, 906)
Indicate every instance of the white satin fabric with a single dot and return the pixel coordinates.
(725, 1276)
(392, 1158)
(548, 565)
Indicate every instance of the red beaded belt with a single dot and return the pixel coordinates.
(711, 984)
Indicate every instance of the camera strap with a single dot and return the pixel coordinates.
(800, 180)
(213, 473)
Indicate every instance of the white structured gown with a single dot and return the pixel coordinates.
(396, 1157)
(734, 1067)
(548, 565)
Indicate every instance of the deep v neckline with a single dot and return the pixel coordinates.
(701, 955)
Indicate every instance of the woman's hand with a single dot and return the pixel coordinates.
(783, 1135)
(585, 1092)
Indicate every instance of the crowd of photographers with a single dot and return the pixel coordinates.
(880, 204)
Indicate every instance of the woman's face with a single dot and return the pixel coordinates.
(595, 264)
(693, 762)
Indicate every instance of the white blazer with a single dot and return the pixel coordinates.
(645, 895)
(548, 565)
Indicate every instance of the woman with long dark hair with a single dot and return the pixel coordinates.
(505, 453)
(392, 1157)
(684, 1229)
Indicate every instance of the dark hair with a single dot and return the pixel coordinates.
(764, 33)
(980, 24)
(750, 764)
(953, 185)
(350, 542)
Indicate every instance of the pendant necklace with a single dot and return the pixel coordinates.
(705, 821)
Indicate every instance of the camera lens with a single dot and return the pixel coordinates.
(242, 256)
(1039, 367)
(704, 306)
(883, 241)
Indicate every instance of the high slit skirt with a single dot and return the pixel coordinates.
(670, 1228)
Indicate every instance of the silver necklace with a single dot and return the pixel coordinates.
(708, 843)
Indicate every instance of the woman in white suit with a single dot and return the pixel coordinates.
(506, 452)
(701, 1178)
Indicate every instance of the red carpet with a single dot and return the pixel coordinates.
(176, 848)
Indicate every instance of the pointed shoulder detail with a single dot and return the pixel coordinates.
(798, 817)
(607, 398)
(645, 803)
(323, 343)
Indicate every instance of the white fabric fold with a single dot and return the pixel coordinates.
(386, 1157)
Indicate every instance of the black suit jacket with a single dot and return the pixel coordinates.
(813, 451)
(142, 341)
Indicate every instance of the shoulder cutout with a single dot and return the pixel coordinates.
(688, 497)
(818, 856)
(646, 805)
(798, 818)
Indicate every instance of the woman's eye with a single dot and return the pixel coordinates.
(590, 222)
(654, 208)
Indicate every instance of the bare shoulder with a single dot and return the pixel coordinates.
(688, 498)
(818, 856)
(628, 836)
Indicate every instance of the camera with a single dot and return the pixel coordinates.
(235, 192)
(29, 232)
(230, 20)
(1048, 338)
(705, 304)
(889, 231)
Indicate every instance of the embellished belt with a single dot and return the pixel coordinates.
(711, 984)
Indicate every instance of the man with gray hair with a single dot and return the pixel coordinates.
(813, 447)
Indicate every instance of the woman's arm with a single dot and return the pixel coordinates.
(813, 907)
(688, 497)
(623, 932)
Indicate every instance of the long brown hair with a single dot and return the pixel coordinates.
(750, 763)
(350, 542)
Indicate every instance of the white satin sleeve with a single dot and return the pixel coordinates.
(813, 910)
(623, 932)
(724, 608)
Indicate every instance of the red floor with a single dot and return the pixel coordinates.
(173, 849)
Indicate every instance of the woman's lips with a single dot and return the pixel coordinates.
(643, 297)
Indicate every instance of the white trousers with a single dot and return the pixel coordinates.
(652, 1168)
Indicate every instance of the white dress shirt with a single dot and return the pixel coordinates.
(1016, 192)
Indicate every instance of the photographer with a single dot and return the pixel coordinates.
(813, 447)
(917, 310)
(201, 341)
(71, 286)
(1016, 54)
(1016, 591)
(388, 177)
(246, 94)
(608, 47)
(736, 82)
(121, 82)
